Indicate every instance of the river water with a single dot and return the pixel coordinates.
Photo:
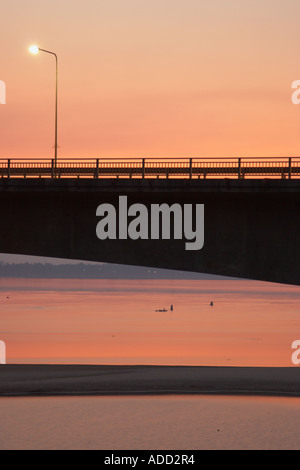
(116, 322)
(150, 423)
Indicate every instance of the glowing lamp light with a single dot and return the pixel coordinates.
(34, 49)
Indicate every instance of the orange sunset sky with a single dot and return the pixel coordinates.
(156, 78)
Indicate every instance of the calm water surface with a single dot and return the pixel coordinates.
(115, 322)
(150, 423)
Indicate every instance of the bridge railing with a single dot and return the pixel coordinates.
(286, 167)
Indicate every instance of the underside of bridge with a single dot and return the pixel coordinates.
(251, 226)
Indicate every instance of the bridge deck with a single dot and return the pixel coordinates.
(151, 168)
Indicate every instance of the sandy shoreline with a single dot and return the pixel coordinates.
(59, 380)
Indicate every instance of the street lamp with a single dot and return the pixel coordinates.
(34, 50)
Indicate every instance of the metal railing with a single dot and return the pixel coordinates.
(201, 168)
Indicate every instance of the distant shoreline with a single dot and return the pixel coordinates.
(101, 380)
(83, 270)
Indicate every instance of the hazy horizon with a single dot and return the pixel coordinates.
(37, 266)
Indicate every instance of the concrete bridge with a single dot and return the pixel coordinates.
(252, 226)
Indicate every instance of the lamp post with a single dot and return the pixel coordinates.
(35, 50)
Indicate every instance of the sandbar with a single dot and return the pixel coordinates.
(77, 380)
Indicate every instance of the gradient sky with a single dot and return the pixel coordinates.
(151, 77)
